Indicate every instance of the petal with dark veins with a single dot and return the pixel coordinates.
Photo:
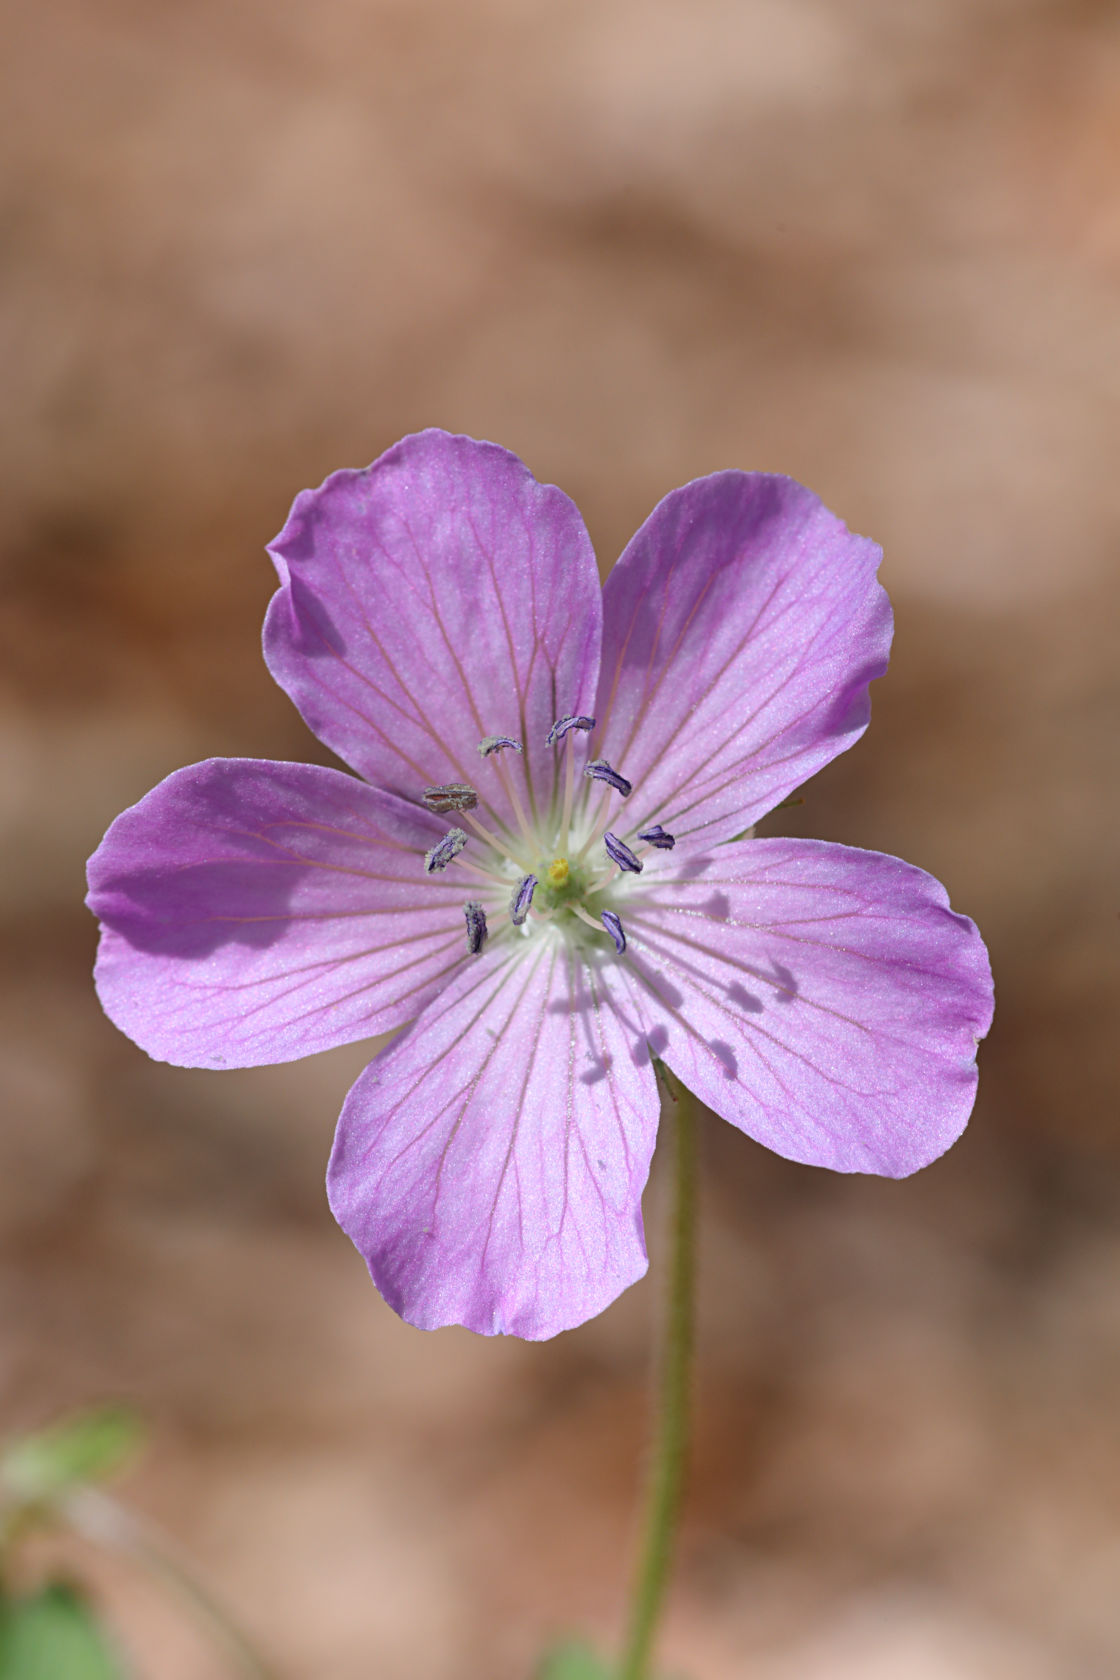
(826, 1001)
(490, 1164)
(254, 912)
(742, 626)
(438, 597)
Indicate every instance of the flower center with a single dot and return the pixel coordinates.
(508, 873)
(558, 872)
(564, 885)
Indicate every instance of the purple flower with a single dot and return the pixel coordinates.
(439, 607)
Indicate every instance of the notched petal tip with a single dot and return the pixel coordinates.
(441, 536)
(869, 1025)
(743, 624)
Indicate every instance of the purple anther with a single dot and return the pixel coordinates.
(521, 900)
(444, 850)
(476, 926)
(656, 836)
(619, 852)
(600, 771)
(562, 725)
(452, 796)
(494, 743)
(614, 927)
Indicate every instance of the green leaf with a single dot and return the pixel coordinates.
(567, 1662)
(86, 1448)
(54, 1636)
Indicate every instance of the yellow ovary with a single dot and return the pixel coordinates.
(557, 873)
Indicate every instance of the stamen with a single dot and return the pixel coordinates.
(476, 926)
(619, 852)
(614, 927)
(487, 877)
(562, 725)
(452, 796)
(595, 818)
(494, 743)
(444, 850)
(600, 771)
(521, 900)
(502, 847)
(569, 792)
(656, 836)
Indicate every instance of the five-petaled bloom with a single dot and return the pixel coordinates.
(546, 873)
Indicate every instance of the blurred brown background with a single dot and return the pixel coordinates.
(872, 244)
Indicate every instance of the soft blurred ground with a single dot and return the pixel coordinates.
(872, 244)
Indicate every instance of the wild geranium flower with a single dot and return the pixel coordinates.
(543, 871)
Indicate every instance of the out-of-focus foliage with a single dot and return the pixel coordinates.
(42, 1467)
(570, 1661)
(53, 1635)
(573, 1662)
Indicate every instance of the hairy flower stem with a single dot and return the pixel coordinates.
(670, 1445)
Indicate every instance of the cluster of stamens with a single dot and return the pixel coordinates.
(560, 875)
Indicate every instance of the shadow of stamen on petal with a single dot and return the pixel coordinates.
(726, 1058)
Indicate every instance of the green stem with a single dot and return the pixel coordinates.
(670, 1447)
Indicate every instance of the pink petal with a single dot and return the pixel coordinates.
(489, 1165)
(742, 626)
(254, 912)
(439, 596)
(826, 1001)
